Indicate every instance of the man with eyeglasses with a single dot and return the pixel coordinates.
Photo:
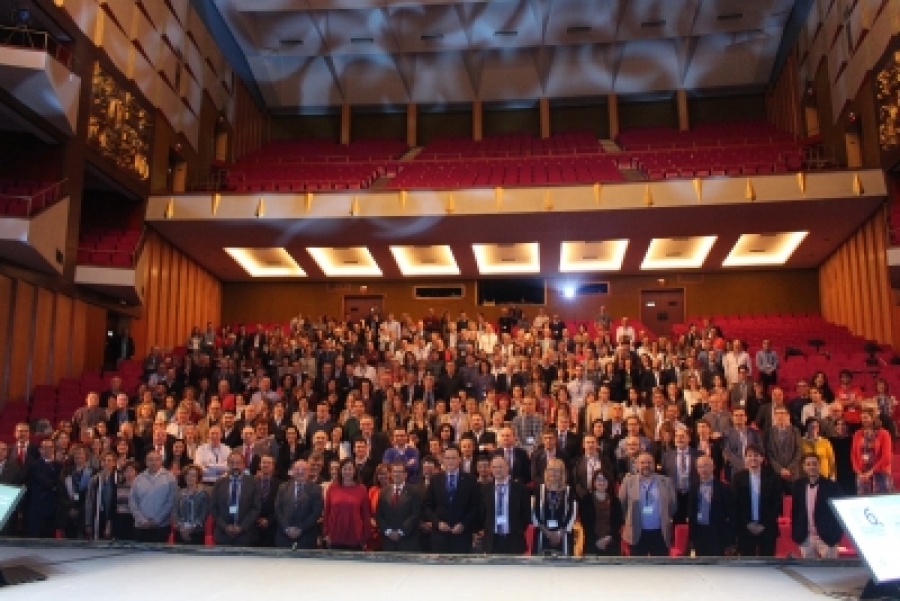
(783, 449)
(236, 504)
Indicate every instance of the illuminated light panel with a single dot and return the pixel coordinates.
(678, 253)
(606, 255)
(754, 250)
(506, 259)
(355, 261)
(266, 262)
(425, 260)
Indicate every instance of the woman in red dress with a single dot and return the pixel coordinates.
(348, 513)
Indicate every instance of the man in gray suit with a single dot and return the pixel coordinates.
(298, 508)
(783, 449)
(680, 466)
(398, 513)
(235, 505)
(735, 442)
(648, 502)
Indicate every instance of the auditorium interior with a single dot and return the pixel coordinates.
(169, 164)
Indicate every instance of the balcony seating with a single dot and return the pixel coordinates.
(113, 247)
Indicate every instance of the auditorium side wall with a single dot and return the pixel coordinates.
(756, 292)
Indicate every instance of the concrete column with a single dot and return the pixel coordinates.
(477, 121)
(612, 109)
(345, 124)
(681, 99)
(412, 124)
(544, 106)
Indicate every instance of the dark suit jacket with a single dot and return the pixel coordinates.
(518, 515)
(302, 512)
(486, 438)
(670, 466)
(764, 418)
(267, 511)
(581, 479)
(11, 473)
(769, 502)
(521, 467)
(721, 512)
(827, 525)
(366, 472)
(462, 510)
(286, 459)
(249, 505)
(405, 515)
(43, 481)
(378, 445)
(112, 425)
(539, 464)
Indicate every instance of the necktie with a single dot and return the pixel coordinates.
(501, 496)
(297, 492)
(248, 455)
(683, 472)
(265, 488)
(233, 494)
(451, 485)
(21, 455)
(509, 458)
(562, 440)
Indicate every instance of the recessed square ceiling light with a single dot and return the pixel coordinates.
(764, 249)
(678, 253)
(266, 262)
(506, 259)
(425, 260)
(355, 261)
(606, 255)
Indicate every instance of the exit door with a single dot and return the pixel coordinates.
(357, 308)
(661, 309)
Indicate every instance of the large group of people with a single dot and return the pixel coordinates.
(457, 435)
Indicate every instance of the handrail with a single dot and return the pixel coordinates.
(23, 37)
(35, 207)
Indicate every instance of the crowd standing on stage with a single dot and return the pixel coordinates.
(457, 435)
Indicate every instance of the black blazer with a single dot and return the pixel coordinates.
(11, 473)
(539, 464)
(462, 510)
(486, 438)
(114, 422)
(518, 515)
(769, 502)
(721, 512)
(248, 511)
(521, 467)
(286, 459)
(827, 525)
(581, 479)
(405, 515)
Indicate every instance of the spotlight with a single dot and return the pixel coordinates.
(568, 292)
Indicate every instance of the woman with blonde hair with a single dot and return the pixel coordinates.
(553, 512)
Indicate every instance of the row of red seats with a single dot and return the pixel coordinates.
(511, 145)
(111, 247)
(24, 198)
(715, 134)
(503, 173)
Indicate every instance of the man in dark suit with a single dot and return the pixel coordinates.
(765, 417)
(544, 454)
(757, 502)
(298, 507)
(161, 442)
(568, 442)
(819, 539)
(484, 441)
(709, 510)
(120, 414)
(680, 465)
(42, 478)
(268, 489)
(450, 382)
(399, 512)
(506, 511)
(365, 465)
(516, 457)
(378, 441)
(451, 506)
(235, 505)
(653, 378)
(22, 449)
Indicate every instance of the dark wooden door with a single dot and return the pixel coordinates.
(661, 309)
(357, 308)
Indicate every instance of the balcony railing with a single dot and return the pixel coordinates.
(15, 203)
(22, 37)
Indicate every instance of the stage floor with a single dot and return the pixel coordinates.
(137, 574)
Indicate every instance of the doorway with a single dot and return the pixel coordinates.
(359, 307)
(661, 309)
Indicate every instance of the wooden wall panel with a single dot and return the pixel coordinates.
(62, 338)
(22, 331)
(179, 295)
(79, 321)
(854, 283)
(94, 337)
(42, 350)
